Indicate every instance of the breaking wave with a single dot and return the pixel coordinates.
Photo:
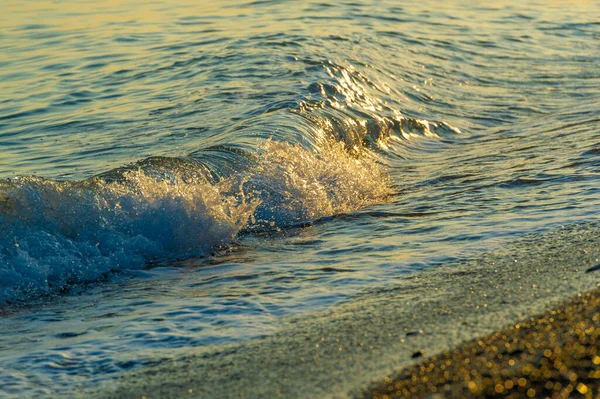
(54, 234)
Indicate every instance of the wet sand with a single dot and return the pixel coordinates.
(553, 355)
(345, 351)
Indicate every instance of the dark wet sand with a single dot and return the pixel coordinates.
(553, 355)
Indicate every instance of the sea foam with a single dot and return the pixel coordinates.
(55, 234)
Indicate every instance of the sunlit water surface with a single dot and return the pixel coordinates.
(187, 173)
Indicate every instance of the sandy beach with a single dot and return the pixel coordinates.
(552, 355)
(348, 350)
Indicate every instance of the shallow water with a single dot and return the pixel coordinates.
(204, 169)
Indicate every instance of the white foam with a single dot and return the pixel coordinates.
(55, 234)
(59, 233)
(296, 185)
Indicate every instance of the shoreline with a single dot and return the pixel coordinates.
(555, 355)
(344, 351)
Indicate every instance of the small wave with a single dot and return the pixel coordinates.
(54, 234)
(307, 156)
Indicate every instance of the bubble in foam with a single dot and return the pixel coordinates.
(297, 185)
(55, 234)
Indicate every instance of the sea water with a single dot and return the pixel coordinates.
(183, 174)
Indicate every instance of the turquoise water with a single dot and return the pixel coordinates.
(186, 174)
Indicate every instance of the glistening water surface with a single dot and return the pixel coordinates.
(185, 174)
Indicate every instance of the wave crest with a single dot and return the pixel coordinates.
(55, 234)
